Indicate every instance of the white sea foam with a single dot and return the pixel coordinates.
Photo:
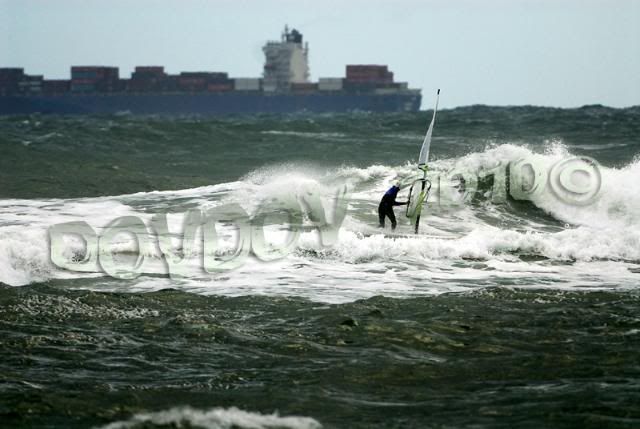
(216, 418)
(24, 257)
(306, 134)
(24, 245)
(485, 244)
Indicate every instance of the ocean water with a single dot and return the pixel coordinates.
(503, 312)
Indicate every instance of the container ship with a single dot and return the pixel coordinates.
(283, 88)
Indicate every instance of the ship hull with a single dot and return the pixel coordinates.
(207, 104)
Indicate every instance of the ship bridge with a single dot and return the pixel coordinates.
(286, 61)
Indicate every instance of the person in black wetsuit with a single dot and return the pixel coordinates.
(385, 209)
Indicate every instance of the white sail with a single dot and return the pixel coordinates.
(415, 200)
(426, 144)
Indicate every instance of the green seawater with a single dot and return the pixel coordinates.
(557, 344)
(65, 157)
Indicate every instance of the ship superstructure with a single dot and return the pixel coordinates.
(286, 62)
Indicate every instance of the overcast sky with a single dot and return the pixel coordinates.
(499, 52)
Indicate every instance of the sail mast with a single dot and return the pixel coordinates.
(422, 164)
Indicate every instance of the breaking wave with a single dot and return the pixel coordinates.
(216, 418)
(523, 233)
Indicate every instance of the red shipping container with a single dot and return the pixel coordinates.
(219, 87)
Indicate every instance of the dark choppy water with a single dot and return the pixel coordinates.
(507, 313)
(46, 157)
